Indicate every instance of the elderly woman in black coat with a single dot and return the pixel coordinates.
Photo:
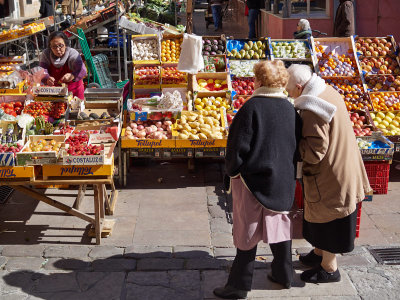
(261, 162)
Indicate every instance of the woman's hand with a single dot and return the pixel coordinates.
(51, 81)
(67, 78)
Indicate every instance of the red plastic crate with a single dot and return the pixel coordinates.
(378, 175)
(359, 206)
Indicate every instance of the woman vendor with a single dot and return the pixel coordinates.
(63, 64)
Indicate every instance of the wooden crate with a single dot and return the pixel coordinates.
(17, 173)
(206, 76)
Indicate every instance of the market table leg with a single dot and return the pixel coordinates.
(111, 200)
(97, 225)
(124, 162)
(56, 204)
(81, 194)
(101, 188)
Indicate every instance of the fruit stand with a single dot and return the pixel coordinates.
(227, 82)
(57, 140)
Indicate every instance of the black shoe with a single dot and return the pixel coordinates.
(311, 259)
(286, 285)
(229, 292)
(319, 275)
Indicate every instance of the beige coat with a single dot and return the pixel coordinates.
(333, 171)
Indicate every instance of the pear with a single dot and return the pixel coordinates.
(251, 52)
(259, 44)
(247, 56)
(256, 56)
(251, 44)
(263, 47)
(242, 52)
(238, 56)
(263, 55)
(259, 52)
(246, 47)
(255, 47)
(234, 52)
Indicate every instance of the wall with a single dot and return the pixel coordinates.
(29, 10)
(378, 18)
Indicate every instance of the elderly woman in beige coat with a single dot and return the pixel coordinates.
(333, 173)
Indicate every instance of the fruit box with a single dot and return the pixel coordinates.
(214, 76)
(213, 60)
(40, 157)
(227, 97)
(165, 83)
(392, 138)
(8, 158)
(235, 46)
(86, 159)
(50, 90)
(377, 153)
(147, 37)
(288, 41)
(112, 111)
(389, 38)
(156, 78)
(210, 38)
(19, 89)
(241, 68)
(367, 123)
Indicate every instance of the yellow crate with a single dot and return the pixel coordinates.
(17, 172)
(209, 143)
(147, 143)
(77, 171)
(17, 90)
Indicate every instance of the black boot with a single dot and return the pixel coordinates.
(282, 268)
(240, 277)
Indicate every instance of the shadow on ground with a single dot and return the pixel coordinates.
(156, 275)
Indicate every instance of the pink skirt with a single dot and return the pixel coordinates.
(252, 222)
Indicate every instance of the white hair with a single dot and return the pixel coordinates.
(304, 24)
(298, 74)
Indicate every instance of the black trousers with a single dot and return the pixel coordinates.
(241, 275)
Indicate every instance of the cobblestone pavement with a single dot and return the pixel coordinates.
(172, 240)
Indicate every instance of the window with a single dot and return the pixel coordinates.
(303, 8)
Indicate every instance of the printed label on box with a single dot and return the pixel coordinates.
(84, 160)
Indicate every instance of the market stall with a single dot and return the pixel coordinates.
(50, 138)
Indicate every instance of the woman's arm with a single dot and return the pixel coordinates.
(44, 62)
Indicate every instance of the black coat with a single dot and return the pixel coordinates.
(255, 4)
(46, 8)
(263, 148)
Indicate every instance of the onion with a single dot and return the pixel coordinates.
(160, 129)
(158, 124)
(140, 127)
(134, 125)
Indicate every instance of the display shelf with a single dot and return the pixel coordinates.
(21, 38)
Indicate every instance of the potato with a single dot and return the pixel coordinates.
(179, 127)
(193, 131)
(202, 136)
(194, 137)
(185, 132)
(194, 124)
(192, 118)
(183, 136)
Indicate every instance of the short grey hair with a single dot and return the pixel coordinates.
(298, 74)
(304, 24)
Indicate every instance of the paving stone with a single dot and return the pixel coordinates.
(67, 264)
(264, 250)
(148, 252)
(3, 261)
(205, 264)
(114, 264)
(79, 252)
(149, 278)
(106, 251)
(358, 250)
(351, 261)
(23, 250)
(159, 264)
(138, 292)
(303, 250)
(24, 263)
(227, 253)
(16, 281)
(186, 283)
(103, 286)
(212, 200)
(211, 280)
(171, 238)
(336, 298)
(192, 252)
(220, 225)
(216, 212)
(56, 282)
(263, 288)
(376, 283)
(221, 239)
(15, 296)
(1, 249)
